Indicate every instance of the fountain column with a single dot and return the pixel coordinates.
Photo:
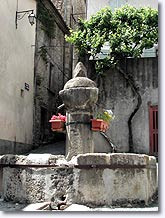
(79, 97)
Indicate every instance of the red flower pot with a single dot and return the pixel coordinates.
(99, 125)
(57, 125)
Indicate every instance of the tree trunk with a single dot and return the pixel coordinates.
(135, 89)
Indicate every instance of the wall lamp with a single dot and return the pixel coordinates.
(20, 15)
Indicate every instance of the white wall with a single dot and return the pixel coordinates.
(95, 5)
(16, 69)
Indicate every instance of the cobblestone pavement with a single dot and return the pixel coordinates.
(57, 148)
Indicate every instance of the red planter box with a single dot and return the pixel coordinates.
(99, 125)
(57, 125)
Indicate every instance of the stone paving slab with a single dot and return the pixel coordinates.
(37, 206)
(9, 206)
(77, 207)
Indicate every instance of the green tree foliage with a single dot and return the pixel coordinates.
(128, 31)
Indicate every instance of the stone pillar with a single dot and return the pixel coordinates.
(79, 97)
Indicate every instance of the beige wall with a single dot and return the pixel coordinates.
(16, 69)
(95, 5)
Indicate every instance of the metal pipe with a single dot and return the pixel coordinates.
(113, 149)
(61, 106)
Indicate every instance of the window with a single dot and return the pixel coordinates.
(153, 128)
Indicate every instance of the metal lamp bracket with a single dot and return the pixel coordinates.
(20, 15)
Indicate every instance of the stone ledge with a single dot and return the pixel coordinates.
(95, 158)
(12, 159)
(116, 159)
(91, 160)
(40, 159)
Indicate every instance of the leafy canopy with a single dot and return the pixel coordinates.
(128, 31)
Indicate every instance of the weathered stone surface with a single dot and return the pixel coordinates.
(152, 160)
(79, 98)
(93, 158)
(39, 184)
(124, 180)
(71, 183)
(80, 70)
(12, 159)
(129, 159)
(80, 78)
(79, 138)
(49, 184)
(116, 159)
(14, 185)
(38, 158)
(79, 82)
(33, 185)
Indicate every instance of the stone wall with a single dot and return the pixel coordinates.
(89, 179)
(116, 94)
(53, 61)
(72, 11)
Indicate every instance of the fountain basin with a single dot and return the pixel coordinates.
(93, 179)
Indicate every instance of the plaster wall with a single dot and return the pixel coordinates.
(116, 94)
(16, 69)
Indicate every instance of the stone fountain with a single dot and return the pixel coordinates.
(79, 97)
(82, 177)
